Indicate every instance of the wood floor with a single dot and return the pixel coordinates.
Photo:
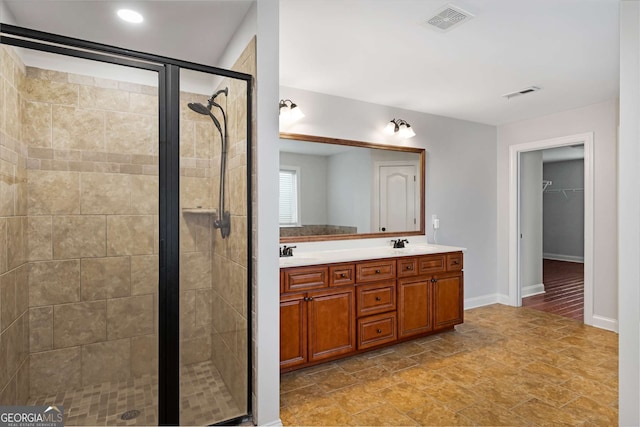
(564, 290)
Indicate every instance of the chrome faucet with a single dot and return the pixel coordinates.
(399, 244)
(286, 251)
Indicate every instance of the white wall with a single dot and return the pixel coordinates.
(530, 220)
(460, 173)
(240, 39)
(629, 212)
(349, 185)
(266, 299)
(313, 186)
(602, 119)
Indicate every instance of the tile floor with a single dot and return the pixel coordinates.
(205, 400)
(504, 366)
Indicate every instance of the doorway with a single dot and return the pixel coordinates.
(552, 230)
(516, 271)
(396, 198)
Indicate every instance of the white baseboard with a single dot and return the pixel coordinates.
(560, 257)
(276, 423)
(503, 299)
(531, 290)
(480, 301)
(605, 323)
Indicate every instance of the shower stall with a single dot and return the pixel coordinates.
(125, 233)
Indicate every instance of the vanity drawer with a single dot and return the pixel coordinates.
(374, 299)
(376, 330)
(454, 261)
(305, 278)
(407, 267)
(431, 264)
(343, 274)
(375, 271)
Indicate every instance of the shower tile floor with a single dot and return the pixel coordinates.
(205, 399)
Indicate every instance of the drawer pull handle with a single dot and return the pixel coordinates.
(308, 298)
(343, 275)
(378, 299)
(434, 280)
(456, 262)
(377, 271)
(379, 331)
(409, 267)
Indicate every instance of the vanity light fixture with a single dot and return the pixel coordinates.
(289, 111)
(401, 127)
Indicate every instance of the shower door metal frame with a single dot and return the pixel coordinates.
(168, 69)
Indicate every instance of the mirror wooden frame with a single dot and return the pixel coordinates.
(321, 139)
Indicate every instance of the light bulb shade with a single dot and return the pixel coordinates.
(390, 128)
(295, 113)
(407, 132)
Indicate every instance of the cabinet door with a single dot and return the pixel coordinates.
(414, 306)
(332, 323)
(293, 330)
(448, 301)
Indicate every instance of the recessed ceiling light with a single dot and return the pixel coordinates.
(130, 16)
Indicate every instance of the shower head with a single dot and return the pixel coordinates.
(201, 109)
(225, 91)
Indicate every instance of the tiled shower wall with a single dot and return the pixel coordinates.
(230, 268)
(91, 229)
(14, 296)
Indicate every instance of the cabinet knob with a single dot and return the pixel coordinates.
(433, 280)
(379, 331)
(343, 275)
(409, 267)
(456, 262)
(377, 271)
(378, 299)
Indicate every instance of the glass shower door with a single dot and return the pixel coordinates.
(213, 249)
(84, 237)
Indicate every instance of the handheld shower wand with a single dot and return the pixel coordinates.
(223, 221)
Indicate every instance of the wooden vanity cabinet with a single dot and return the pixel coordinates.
(331, 311)
(318, 324)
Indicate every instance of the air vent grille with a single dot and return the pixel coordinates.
(524, 91)
(447, 17)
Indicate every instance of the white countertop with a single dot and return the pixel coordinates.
(347, 255)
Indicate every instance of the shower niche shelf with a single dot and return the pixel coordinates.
(200, 211)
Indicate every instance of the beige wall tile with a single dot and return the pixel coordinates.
(77, 129)
(12, 123)
(102, 278)
(105, 193)
(187, 139)
(39, 238)
(144, 194)
(92, 97)
(8, 393)
(8, 311)
(16, 249)
(54, 282)
(130, 235)
(130, 317)
(143, 104)
(22, 289)
(79, 323)
(206, 136)
(55, 371)
(144, 355)
(22, 383)
(7, 194)
(144, 274)
(18, 348)
(3, 245)
(44, 74)
(79, 236)
(52, 92)
(40, 328)
(195, 270)
(131, 133)
(195, 192)
(4, 375)
(106, 361)
(53, 192)
(36, 124)
(195, 350)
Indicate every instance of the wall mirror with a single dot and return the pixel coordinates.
(336, 189)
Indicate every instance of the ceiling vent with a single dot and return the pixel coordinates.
(448, 17)
(524, 91)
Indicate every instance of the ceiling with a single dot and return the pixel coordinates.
(196, 31)
(381, 51)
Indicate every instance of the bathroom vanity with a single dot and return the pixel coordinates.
(338, 303)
